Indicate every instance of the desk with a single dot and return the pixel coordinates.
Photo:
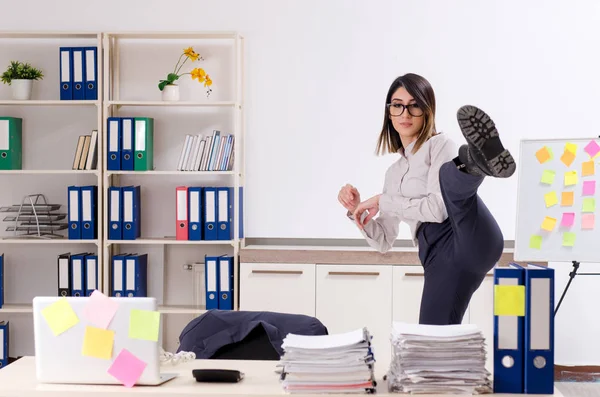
(18, 379)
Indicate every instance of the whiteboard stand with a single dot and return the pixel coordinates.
(550, 227)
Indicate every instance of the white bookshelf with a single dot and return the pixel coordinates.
(127, 95)
(49, 142)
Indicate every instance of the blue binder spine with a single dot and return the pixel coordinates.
(539, 330)
(115, 213)
(113, 137)
(78, 72)
(91, 73)
(91, 273)
(509, 340)
(195, 214)
(89, 209)
(127, 143)
(211, 278)
(136, 275)
(210, 213)
(131, 212)
(118, 275)
(78, 277)
(4, 337)
(66, 73)
(226, 283)
(74, 212)
(225, 213)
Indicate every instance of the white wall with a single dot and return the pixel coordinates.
(317, 73)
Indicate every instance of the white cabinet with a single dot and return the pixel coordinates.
(355, 296)
(278, 287)
(481, 311)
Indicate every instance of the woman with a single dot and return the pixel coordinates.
(434, 190)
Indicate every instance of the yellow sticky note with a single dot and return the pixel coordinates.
(568, 239)
(567, 199)
(548, 177)
(589, 204)
(509, 300)
(587, 168)
(144, 324)
(571, 147)
(567, 158)
(570, 178)
(535, 242)
(98, 343)
(551, 199)
(60, 316)
(548, 223)
(543, 155)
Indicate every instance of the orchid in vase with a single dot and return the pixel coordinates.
(196, 73)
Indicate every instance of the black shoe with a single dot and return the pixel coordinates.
(469, 166)
(485, 147)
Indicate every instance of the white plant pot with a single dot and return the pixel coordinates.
(21, 89)
(170, 93)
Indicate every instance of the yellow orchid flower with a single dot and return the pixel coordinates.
(198, 73)
(190, 53)
(208, 81)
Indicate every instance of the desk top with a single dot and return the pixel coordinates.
(18, 379)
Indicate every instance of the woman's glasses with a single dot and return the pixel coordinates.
(397, 109)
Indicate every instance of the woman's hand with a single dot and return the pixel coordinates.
(349, 197)
(371, 206)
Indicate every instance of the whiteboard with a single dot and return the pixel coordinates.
(558, 182)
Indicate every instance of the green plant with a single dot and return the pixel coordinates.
(21, 70)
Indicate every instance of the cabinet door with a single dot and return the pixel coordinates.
(356, 296)
(407, 293)
(482, 314)
(283, 288)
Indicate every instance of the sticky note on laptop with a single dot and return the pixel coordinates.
(144, 324)
(60, 316)
(509, 300)
(127, 368)
(100, 310)
(98, 343)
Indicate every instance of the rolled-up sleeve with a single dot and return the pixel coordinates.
(431, 207)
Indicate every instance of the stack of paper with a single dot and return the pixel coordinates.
(338, 363)
(442, 359)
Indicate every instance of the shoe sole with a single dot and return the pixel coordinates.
(481, 134)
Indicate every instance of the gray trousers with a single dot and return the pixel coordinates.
(457, 253)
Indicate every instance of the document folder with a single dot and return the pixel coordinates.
(11, 137)
(91, 73)
(74, 212)
(144, 144)
(509, 283)
(64, 274)
(89, 212)
(66, 74)
(118, 275)
(91, 272)
(78, 274)
(226, 283)
(115, 208)
(195, 213)
(136, 270)
(78, 62)
(4, 337)
(131, 212)
(225, 213)
(210, 213)
(211, 279)
(127, 152)
(113, 137)
(181, 213)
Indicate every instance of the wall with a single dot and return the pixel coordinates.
(317, 73)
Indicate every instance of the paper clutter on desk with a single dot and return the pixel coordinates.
(435, 359)
(337, 363)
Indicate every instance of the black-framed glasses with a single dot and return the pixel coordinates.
(397, 109)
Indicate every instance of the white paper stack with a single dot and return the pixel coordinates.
(337, 363)
(438, 359)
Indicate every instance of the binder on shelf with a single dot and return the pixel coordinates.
(64, 274)
(11, 143)
(1, 280)
(91, 272)
(509, 282)
(210, 213)
(127, 152)
(195, 213)
(91, 73)
(4, 337)
(211, 278)
(131, 212)
(136, 271)
(77, 76)
(181, 212)
(66, 73)
(115, 205)
(113, 136)
(118, 275)
(539, 330)
(78, 276)
(226, 283)
(89, 212)
(225, 212)
(144, 143)
(74, 212)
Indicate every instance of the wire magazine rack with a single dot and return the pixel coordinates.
(35, 218)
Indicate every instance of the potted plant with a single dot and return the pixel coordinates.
(170, 90)
(20, 76)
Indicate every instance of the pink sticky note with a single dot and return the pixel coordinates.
(592, 148)
(127, 368)
(100, 310)
(589, 188)
(588, 221)
(567, 219)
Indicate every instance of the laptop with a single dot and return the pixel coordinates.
(59, 359)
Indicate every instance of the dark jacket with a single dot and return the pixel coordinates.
(206, 334)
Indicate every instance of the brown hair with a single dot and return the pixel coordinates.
(420, 89)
